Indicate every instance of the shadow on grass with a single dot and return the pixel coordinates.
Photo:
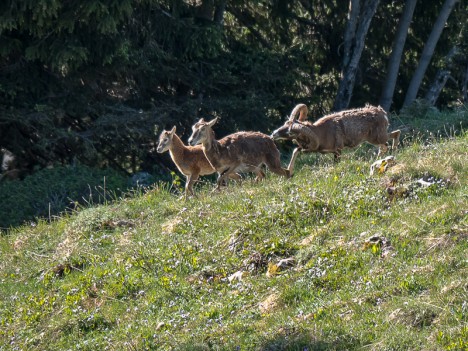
(280, 342)
(305, 342)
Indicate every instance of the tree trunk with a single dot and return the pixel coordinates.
(441, 77)
(248, 21)
(395, 57)
(176, 6)
(465, 87)
(428, 51)
(350, 31)
(219, 12)
(355, 36)
(205, 10)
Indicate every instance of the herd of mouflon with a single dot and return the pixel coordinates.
(243, 152)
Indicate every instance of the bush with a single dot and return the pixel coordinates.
(427, 120)
(51, 191)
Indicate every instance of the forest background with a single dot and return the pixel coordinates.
(93, 82)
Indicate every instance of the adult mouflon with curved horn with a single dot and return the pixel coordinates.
(334, 132)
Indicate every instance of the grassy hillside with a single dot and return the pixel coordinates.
(332, 259)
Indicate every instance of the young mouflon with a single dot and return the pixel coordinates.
(190, 160)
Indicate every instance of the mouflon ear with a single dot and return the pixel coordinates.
(173, 130)
(213, 122)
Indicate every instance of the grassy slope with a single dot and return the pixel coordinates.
(154, 271)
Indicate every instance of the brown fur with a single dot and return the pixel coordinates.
(334, 132)
(238, 152)
(190, 160)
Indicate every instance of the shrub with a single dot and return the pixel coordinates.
(51, 191)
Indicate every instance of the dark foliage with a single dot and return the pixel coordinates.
(49, 192)
(94, 81)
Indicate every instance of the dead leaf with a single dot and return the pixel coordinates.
(237, 276)
(382, 165)
(273, 270)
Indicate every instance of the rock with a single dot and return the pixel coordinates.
(380, 242)
(269, 304)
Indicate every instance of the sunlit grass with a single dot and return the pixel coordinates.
(366, 267)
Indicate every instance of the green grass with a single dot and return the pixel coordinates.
(153, 271)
